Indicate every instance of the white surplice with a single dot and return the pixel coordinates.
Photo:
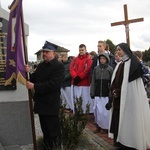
(100, 113)
(84, 92)
(66, 97)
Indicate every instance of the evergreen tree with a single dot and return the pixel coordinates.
(146, 55)
(111, 45)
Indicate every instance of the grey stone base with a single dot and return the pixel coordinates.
(1, 147)
(15, 123)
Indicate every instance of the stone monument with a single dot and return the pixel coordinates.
(15, 122)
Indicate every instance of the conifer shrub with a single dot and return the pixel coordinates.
(72, 125)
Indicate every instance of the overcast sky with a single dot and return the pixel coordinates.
(69, 23)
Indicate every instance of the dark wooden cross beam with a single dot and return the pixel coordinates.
(126, 22)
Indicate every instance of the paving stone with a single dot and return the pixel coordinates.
(101, 139)
(110, 147)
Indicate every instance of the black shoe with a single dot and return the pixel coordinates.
(98, 130)
(117, 144)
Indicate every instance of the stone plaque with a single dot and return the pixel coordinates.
(3, 48)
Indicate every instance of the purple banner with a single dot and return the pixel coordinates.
(15, 59)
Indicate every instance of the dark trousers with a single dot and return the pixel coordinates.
(115, 123)
(50, 126)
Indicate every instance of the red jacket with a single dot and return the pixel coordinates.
(81, 66)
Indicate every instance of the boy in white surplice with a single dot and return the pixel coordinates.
(99, 91)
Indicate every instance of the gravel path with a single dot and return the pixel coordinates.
(38, 133)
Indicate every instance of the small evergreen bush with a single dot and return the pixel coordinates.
(72, 125)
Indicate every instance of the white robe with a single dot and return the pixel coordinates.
(84, 92)
(100, 113)
(66, 97)
(134, 120)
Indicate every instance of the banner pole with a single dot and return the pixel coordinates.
(28, 78)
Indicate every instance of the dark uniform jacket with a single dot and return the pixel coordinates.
(47, 80)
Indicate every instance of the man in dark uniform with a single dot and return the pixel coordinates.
(46, 82)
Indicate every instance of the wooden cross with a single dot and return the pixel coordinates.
(126, 22)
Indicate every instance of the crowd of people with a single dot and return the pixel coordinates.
(113, 85)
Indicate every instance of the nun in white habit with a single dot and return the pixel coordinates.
(130, 118)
